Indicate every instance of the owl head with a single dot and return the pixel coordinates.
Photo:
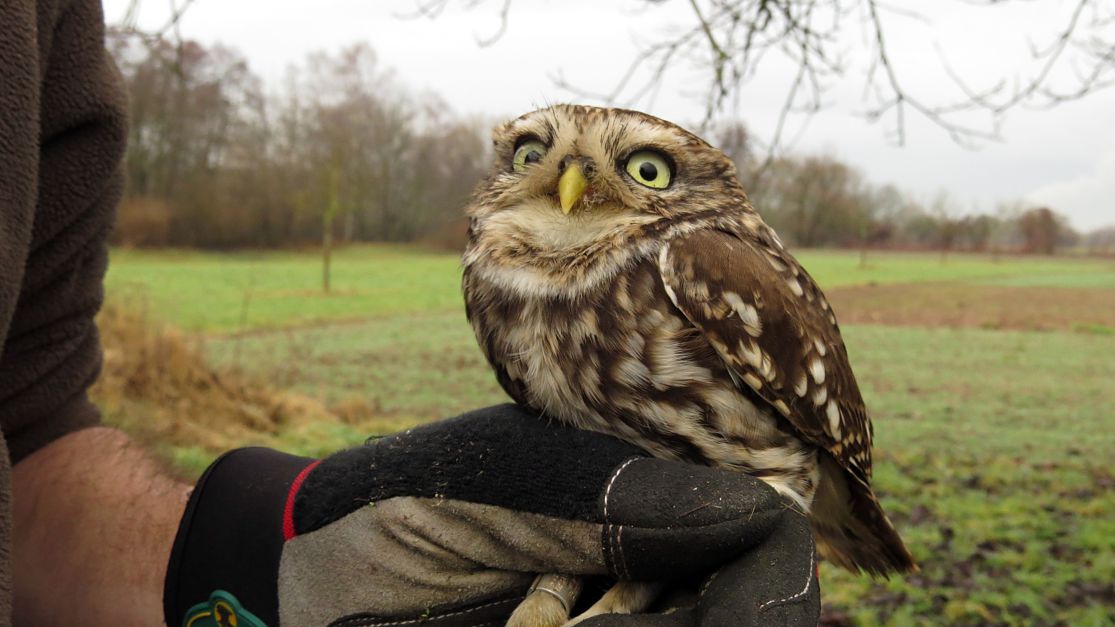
(569, 176)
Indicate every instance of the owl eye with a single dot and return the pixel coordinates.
(529, 152)
(649, 168)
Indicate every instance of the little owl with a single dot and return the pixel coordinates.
(619, 280)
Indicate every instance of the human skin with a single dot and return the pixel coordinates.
(94, 518)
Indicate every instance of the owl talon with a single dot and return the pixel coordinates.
(626, 597)
(548, 602)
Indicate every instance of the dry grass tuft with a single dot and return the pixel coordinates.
(156, 385)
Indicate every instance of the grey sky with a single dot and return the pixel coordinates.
(1064, 157)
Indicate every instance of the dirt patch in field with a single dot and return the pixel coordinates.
(977, 306)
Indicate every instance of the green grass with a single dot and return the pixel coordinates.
(993, 447)
(833, 268)
(424, 365)
(229, 292)
(1102, 279)
(994, 453)
(223, 292)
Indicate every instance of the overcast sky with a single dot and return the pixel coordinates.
(1064, 158)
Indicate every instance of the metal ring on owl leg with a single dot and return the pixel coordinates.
(626, 597)
(547, 603)
(565, 588)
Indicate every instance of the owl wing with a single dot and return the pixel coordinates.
(769, 322)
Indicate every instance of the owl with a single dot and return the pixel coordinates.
(619, 280)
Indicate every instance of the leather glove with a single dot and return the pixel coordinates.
(449, 523)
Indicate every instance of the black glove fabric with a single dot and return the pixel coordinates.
(448, 524)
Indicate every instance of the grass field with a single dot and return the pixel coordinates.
(992, 386)
(249, 291)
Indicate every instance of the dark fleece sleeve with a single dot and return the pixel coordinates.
(62, 137)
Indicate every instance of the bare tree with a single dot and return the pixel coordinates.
(127, 27)
(733, 38)
(338, 152)
(815, 201)
(347, 138)
(1101, 241)
(947, 222)
(975, 231)
(881, 206)
(735, 141)
(1040, 228)
(184, 127)
(1005, 235)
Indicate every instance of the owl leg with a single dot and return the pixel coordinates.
(548, 602)
(626, 597)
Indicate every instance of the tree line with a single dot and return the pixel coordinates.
(818, 200)
(341, 150)
(218, 159)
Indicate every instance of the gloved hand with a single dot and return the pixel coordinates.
(447, 524)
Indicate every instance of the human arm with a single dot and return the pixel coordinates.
(62, 135)
(94, 519)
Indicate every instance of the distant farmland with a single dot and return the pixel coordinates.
(991, 386)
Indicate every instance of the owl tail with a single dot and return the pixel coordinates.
(851, 528)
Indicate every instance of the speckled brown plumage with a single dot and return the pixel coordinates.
(672, 318)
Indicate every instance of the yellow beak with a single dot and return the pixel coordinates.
(571, 186)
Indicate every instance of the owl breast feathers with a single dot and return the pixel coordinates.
(618, 280)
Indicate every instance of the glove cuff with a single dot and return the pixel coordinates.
(231, 537)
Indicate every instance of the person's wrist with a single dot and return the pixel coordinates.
(94, 518)
(231, 536)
